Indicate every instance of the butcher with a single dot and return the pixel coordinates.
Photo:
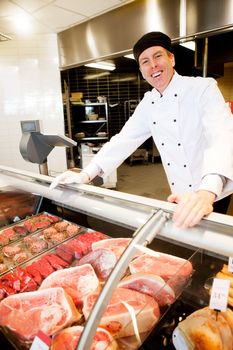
(192, 127)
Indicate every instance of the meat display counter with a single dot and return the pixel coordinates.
(138, 232)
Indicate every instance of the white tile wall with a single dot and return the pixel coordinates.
(30, 89)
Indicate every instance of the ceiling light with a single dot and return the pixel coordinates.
(189, 45)
(96, 76)
(22, 24)
(130, 56)
(101, 65)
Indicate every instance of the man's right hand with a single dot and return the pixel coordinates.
(69, 177)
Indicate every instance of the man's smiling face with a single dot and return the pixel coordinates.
(156, 65)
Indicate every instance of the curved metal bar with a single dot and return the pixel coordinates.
(150, 229)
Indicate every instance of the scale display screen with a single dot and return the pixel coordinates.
(30, 125)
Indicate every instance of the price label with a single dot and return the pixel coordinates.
(41, 342)
(230, 264)
(219, 294)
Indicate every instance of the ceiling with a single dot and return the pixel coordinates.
(20, 17)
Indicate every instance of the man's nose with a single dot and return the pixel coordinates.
(153, 62)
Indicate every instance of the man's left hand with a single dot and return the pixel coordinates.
(192, 207)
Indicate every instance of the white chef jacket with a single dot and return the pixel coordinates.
(192, 128)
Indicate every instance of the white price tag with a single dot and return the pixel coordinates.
(41, 342)
(219, 294)
(230, 264)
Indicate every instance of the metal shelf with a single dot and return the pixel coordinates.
(92, 121)
(92, 138)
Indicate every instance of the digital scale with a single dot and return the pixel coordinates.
(35, 147)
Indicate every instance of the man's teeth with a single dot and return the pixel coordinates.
(155, 75)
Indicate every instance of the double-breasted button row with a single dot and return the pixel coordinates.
(173, 184)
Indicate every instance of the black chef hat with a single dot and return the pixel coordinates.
(151, 39)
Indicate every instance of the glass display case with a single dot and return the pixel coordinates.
(146, 274)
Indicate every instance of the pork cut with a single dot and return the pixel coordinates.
(48, 310)
(150, 284)
(68, 339)
(116, 245)
(102, 260)
(77, 281)
(174, 270)
(117, 319)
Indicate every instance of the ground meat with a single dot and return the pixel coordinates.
(61, 226)
(58, 237)
(3, 240)
(10, 233)
(10, 251)
(38, 246)
(49, 232)
(29, 240)
(3, 267)
(20, 257)
(72, 229)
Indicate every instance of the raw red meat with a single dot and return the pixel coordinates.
(9, 233)
(53, 218)
(5, 291)
(117, 319)
(21, 230)
(33, 271)
(43, 266)
(19, 280)
(76, 248)
(68, 339)
(66, 253)
(77, 281)
(56, 262)
(150, 284)
(116, 245)
(174, 270)
(163, 265)
(86, 240)
(43, 223)
(102, 260)
(30, 226)
(48, 310)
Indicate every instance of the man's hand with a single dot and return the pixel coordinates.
(69, 177)
(192, 207)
